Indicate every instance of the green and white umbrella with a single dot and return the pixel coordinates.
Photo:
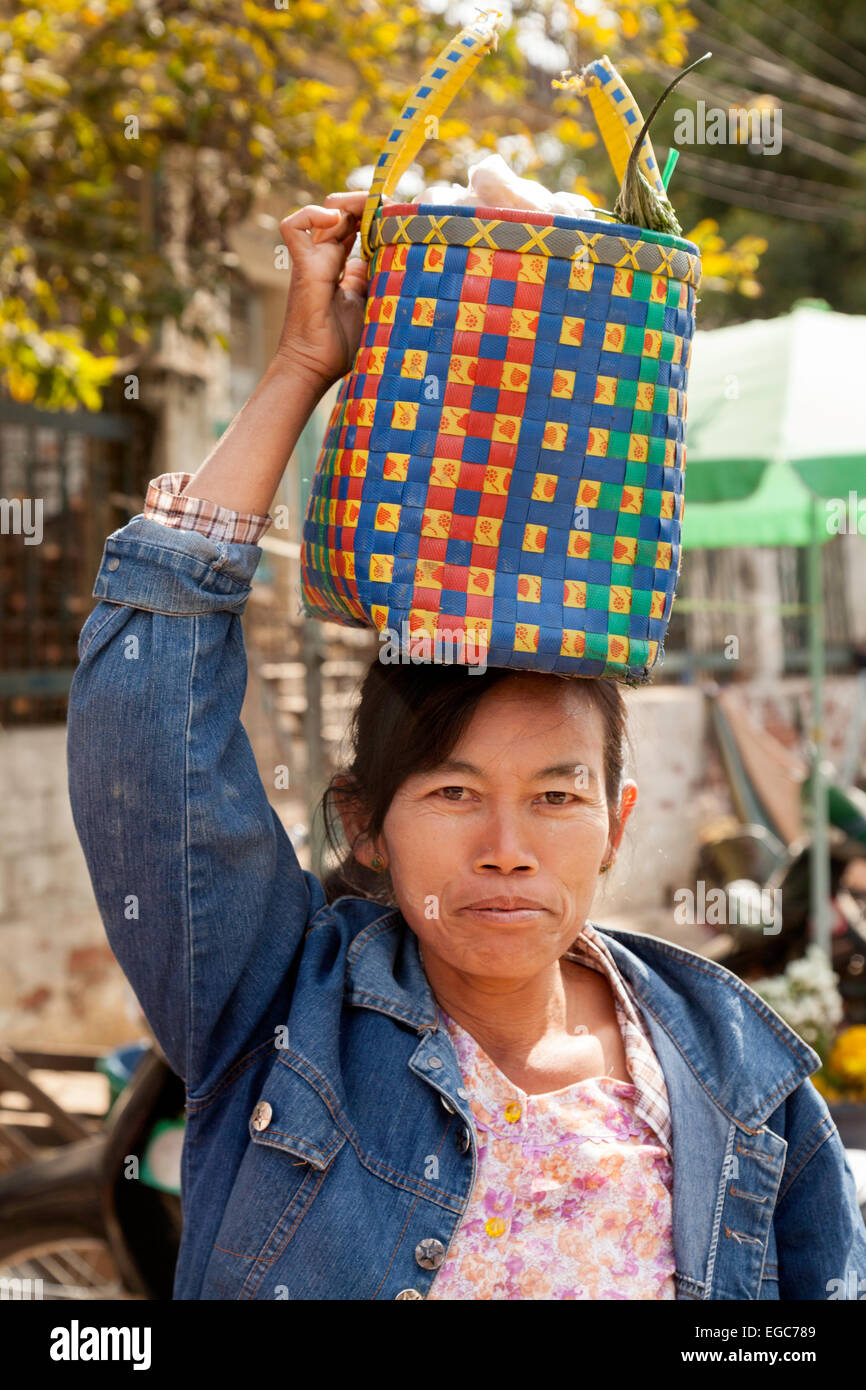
(776, 418)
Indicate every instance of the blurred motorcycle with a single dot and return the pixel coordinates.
(93, 1215)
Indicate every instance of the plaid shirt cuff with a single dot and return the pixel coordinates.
(164, 503)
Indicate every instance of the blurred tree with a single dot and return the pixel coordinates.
(135, 133)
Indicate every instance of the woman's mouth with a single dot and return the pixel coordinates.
(505, 910)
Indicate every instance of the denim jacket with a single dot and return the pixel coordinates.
(319, 1087)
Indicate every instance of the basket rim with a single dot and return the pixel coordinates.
(530, 218)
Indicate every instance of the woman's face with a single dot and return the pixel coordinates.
(495, 855)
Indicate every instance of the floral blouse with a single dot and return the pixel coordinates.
(572, 1197)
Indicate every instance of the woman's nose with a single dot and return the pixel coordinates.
(504, 846)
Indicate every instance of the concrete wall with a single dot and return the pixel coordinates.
(667, 728)
(59, 983)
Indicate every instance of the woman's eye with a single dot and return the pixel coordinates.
(558, 798)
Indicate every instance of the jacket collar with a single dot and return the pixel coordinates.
(717, 1023)
(384, 970)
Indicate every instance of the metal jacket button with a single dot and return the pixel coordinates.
(114, 563)
(408, 1293)
(449, 1108)
(262, 1115)
(434, 1061)
(430, 1253)
(462, 1093)
(464, 1139)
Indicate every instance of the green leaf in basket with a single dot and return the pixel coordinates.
(638, 204)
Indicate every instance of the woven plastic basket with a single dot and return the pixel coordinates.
(502, 474)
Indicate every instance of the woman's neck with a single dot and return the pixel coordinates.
(509, 1018)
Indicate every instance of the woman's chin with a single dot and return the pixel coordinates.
(500, 956)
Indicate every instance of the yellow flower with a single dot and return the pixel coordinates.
(848, 1056)
(843, 1075)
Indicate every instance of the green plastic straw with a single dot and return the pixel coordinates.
(673, 156)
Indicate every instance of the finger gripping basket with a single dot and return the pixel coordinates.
(503, 466)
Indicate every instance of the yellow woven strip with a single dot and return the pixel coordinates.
(437, 224)
(471, 44)
(537, 238)
(589, 239)
(611, 129)
(628, 257)
(482, 235)
(612, 103)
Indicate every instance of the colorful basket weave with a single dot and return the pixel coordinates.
(504, 464)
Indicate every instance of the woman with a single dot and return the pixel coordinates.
(449, 1084)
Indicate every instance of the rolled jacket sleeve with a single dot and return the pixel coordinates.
(179, 572)
(201, 894)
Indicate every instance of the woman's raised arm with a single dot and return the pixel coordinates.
(202, 897)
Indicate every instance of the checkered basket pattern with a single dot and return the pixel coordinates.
(503, 466)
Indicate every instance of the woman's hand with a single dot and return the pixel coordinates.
(327, 297)
(321, 333)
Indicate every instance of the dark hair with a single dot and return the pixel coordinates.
(407, 720)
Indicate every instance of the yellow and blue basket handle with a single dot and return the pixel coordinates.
(616, 112)
(617, 116)
(433, 94)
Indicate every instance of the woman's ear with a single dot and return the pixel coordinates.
(353, 817)
(628, 798)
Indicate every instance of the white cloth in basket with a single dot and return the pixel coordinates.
(493, 184)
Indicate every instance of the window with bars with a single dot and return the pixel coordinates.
(76, 476)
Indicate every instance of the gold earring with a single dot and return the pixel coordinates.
(378, 862)
(604, 868)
